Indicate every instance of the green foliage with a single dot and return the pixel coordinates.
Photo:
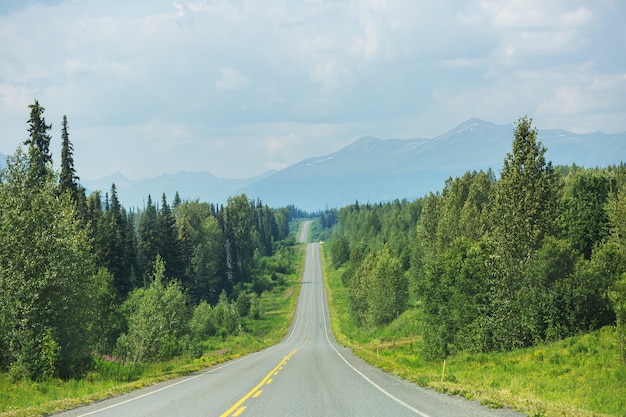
(526, 198)
(226, 316)
(243, 304)
(45, 277)
(585, 219)
(578, 376)
(107, 322)
(379, 289)
(524, 211)
(203, 322)
(340, 251)
(618, 298)
(157, 319)
(496, 264)
(38, 143)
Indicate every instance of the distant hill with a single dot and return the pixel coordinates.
(190, 185)
(373, 170)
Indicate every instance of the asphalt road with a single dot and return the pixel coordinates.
(307, 374)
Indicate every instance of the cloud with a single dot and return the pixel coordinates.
(231, 79)
(237, 87)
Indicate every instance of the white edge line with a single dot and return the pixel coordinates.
(229, 363)
(186, 379)
(378, 387)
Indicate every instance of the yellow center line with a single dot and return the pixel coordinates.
(241, 410)
(237, 408)
(238, 404)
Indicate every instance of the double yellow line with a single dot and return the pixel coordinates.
(238, 407)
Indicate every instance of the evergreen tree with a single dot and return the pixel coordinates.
(68, 179)
(177, 201)
(38, 143)
(148, 246)
(168, 245)
(113, 229)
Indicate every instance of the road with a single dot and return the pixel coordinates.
(307, 374)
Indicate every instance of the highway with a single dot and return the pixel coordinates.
(306, 374)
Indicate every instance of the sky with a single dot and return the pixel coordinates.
(240, 87)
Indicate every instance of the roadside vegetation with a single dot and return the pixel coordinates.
(579, 376)
(97, 299)
(507, 275)
(510, 289)
(111, 376)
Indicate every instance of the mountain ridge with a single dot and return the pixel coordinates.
(372, 169)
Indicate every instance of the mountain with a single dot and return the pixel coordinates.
(190, 185)
(374, 170)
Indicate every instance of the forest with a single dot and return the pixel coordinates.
(81, 276)
(492, 263)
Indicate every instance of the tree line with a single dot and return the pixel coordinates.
(80, 274)
(537, 254)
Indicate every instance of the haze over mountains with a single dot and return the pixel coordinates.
(374, 170)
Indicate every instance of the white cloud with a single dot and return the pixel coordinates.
(287, 80)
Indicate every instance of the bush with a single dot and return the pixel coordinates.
(203, 323)
(157, 321)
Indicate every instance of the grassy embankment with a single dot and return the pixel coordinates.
(579, 376)
(111, 378)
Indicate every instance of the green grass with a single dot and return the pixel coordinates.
(578, 376)
(108, 379)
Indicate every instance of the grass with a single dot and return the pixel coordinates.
(578, 376)
(108, 379)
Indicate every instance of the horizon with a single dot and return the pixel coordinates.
(123, 176)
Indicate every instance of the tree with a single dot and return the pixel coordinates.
(378, 289)
(340, 251)
(158, 319)
(167, 238)
(38, 143)
(526, 196)
(148, 245)
(238, 217)
(523, 212)
(389, 293)
(68, 181)
(119, 261)
(107, 323)
(46, 272)
(585, 218)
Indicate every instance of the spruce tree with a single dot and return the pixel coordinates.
(148, 241)
(168, 240)
(68, 181)
(38, 142)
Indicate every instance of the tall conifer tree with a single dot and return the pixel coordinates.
(38, 142)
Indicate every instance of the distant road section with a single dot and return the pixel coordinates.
(304, 231)
(307, 374)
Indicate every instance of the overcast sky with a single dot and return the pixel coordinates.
(239, 87)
